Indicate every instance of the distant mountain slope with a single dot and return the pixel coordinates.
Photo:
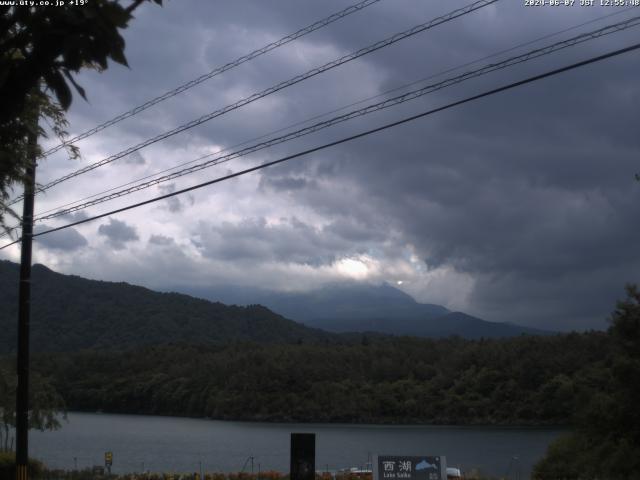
(71, 313)
(336, 301)
(352, 307)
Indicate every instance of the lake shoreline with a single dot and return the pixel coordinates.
(289, 420)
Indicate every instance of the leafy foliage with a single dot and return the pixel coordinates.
(45, 404)
(8, 466)
(17, 149)
(41, 48)
(50, 44)
(606, 440)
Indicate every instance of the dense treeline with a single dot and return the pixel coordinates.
(524, 380)
(605, 441)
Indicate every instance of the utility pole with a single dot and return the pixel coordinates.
(24, 312)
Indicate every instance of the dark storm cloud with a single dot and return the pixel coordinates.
(571, 300)
(530, 189)
(530, 192)
(184, 30)
(354, 231)
(64, 240)
(118, 233)
(289, 241)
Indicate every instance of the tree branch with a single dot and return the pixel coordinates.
(133, 6)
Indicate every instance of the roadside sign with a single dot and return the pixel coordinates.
(409, 467)
(108, 459)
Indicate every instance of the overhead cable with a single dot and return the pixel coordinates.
(346, 139)
(412, 95)
(217, 71)
(325, 114)
(256, 96)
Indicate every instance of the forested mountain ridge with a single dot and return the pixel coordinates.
(70, 313)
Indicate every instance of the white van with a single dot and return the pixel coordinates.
(454, 473)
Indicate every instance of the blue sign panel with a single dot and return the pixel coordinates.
(405, 467)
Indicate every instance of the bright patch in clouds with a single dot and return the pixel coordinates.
(358, 269)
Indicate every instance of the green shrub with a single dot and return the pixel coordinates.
(8, 466)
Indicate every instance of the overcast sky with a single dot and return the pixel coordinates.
(519, 207)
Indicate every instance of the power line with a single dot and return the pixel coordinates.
(347, 139)
(315, 117)
(412, 95)
(292, 81)
(217, 71)
(458, 67)
(621, 25)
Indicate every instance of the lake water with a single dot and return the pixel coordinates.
(170, 444)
